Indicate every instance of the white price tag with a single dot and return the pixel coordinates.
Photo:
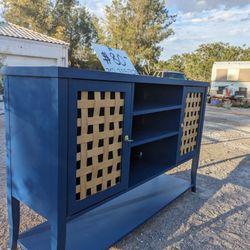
(114, 60)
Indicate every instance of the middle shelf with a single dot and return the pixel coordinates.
(155, 126)
(153, 108)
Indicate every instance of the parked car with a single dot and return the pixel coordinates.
(174, 75)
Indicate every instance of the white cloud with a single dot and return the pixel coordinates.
(96, 7)
(193, 29)
(198, 22)
(215, 15)
(200, 5)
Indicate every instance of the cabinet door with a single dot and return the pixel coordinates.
(194, 100)
(99, 119)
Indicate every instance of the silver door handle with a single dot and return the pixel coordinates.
(126, 139)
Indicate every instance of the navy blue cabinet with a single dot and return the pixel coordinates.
(88, 151)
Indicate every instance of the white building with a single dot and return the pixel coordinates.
(23, 47)
(233, 74)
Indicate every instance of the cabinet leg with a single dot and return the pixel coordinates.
(58, 236)
(195, 164)
(14, 220)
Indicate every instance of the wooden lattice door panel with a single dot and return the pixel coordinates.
(100, 116)
(99, 141)
(191, 121)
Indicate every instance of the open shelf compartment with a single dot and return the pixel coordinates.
(156, 126)
(152, 159)
(155, 98)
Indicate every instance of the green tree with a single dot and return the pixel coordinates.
(245, 56)
(175, 63)
(99, 28)
(138, 27)
(62, 19)
(198, 65)
(32, 14)
(78, 29)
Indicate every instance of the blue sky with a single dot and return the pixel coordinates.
(199, 21)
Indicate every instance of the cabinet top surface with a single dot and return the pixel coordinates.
(74, 73)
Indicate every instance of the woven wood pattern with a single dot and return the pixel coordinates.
(99, 141)
(191, 122)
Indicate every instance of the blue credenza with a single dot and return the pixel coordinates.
(88, 150)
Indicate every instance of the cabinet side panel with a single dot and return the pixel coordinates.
(7, 135)
(33, 107)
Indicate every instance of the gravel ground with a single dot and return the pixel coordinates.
(1, 107)
(217, 216)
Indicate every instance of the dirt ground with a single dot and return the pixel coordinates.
(1, 107)
(217, 216)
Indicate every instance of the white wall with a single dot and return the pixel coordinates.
(231, 66)
(22, 52)
(13, 60)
